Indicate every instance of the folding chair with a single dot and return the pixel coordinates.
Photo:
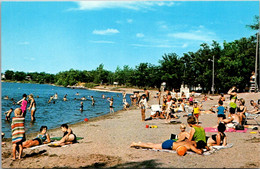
(252, 117)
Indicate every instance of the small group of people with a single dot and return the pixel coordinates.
(195, 140)
(23, 102)
(18, 135)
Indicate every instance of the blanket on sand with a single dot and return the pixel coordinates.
(211, 129)
(211, 151)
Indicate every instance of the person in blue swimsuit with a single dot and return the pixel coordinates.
(42, 138)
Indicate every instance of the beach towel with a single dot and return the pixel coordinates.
(18, 131)
(59, 138)
(211, 129)
(205, 153)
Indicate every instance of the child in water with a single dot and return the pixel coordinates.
(8, 114)
(23, 103)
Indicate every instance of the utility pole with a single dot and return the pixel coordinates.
(213, 64)
(256, 61)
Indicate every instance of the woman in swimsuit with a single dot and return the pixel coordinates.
(68, 136)
(241, 110)
(32, 107)
(220, 138)
(233, 99)
(39, 139)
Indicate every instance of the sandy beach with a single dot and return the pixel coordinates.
(107, 142)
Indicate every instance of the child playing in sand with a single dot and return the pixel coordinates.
(183, 135)
(196, 111)
(18, 132)
(40, 139)
(23, 103)
(8, 114)
(220, 138)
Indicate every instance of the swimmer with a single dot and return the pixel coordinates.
(8, 114)
(55, 96)
(81, 106)
(93, 101)
(111, 102)
(6, 97)
(23, 102)
(50, 99)
(83, 98)
(65, 98)
(77, 94)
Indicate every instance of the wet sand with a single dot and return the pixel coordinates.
(107, 142)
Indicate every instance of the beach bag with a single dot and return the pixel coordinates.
(239, 127)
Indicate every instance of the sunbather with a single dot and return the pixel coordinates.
(232, 120)
(183, 135)
(68, 137)
(197, 133)
(172, 145)
(256, 107)
(220, 138)
(39, 139)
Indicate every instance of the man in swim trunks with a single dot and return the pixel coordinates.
(172, 145)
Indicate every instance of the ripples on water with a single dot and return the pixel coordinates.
(53, 115)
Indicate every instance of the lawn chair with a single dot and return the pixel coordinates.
(252, 117)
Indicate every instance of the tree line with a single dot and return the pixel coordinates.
(233, 65)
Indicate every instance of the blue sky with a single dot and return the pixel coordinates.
(57, 36)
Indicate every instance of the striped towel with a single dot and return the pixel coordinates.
(18, 131)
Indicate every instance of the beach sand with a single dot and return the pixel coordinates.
(107, 142)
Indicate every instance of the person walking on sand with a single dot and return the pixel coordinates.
(18, 132)
(32, 107)
(23, 102)
(111, 102)
(143, 105)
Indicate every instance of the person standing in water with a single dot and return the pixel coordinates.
(23, 102)
(93, 101)
(81, 106)
(124, 97)
(32, 107)
(111, 104)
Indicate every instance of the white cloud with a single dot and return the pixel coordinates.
(133, 5)
(199, 34)
(24, 43)
(184, 45)
(139, 35)
(29, 58)
(105, 32)
(129, 20)
(102, 41)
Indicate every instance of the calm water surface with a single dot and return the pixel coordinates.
(53, 115)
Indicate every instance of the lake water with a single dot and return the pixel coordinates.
(53, 115)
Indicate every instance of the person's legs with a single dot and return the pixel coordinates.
(67, 140)
(14, 151)
(143, 114)
(30, 143)
(32, 114)
(147, 145)
(20, 151)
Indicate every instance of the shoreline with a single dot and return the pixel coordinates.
(107, 142)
